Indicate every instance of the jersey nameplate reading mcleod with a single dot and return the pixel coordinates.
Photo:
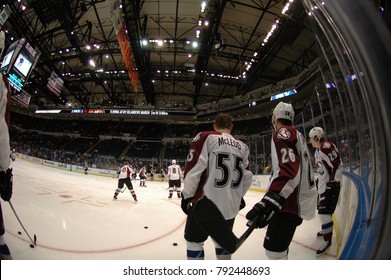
(230, 142)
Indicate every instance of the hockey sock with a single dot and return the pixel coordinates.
(195, 255)
(133, 194)
(195, 250)
(277, 255)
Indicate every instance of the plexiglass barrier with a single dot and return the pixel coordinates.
(349, 96)
(351, 101)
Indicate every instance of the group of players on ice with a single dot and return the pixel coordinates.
(216, 179)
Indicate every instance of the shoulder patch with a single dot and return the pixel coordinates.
(283, 133)
(197, 137)
(326, 145)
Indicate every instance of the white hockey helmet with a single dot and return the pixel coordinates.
(284, 111)
(173, 161)
(316, 131)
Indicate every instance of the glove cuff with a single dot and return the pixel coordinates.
(275, 200)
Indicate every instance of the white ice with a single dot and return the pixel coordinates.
(74, 217)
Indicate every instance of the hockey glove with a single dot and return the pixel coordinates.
(332, 184)
(242, 204)
(186, 204)
(332, 190)
(270, 204)
(6, 184)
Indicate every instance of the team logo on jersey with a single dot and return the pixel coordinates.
(326, 145)
(197, 137)
(320, 168)
(283, 133)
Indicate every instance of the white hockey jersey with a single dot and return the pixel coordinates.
(4, 115)
(174, 172)
(292, 175)
(216, 167)
(329, 165)
(126, 172)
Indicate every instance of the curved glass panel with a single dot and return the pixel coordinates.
(351, 103)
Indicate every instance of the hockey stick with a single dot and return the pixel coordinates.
(251, 226)
(34, 242)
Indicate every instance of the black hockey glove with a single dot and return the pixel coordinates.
(332, 190)
(242, 204)
(186, 205)
(332, 185)
(270, 204)
(6, 184)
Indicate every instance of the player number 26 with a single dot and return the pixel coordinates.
(287, 155)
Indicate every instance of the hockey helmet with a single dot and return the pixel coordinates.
(316, 131)
(173, 161)
(284, 111)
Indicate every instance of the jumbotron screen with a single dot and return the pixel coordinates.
(19, 61)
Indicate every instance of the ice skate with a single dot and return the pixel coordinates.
(324, 247)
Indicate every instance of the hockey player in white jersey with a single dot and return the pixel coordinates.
(142, 174)
(175, 175)
(215, 174)
(329, 169)
(13, 155)
(291, 194)
(125, 178)
(5, 170)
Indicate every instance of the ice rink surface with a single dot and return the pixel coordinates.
(74, 217)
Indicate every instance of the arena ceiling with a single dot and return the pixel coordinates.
(240, 46)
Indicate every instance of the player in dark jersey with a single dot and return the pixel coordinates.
(329, 169)
(291, 194)
(5, 170)
(215, 173)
